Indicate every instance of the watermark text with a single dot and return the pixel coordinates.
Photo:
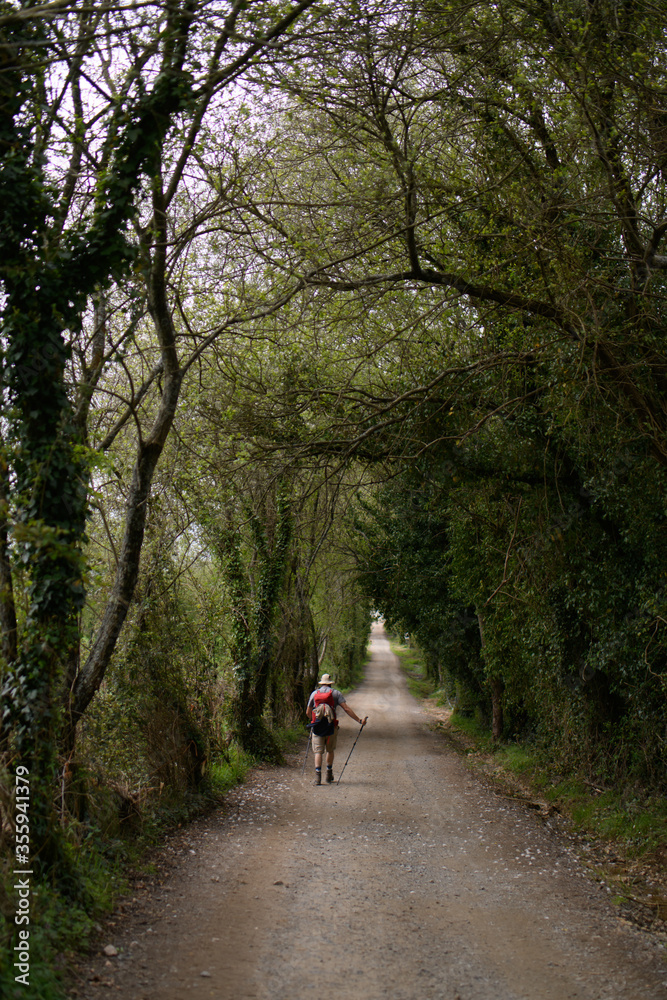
(22, 871)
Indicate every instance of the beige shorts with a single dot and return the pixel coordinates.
(325, 744)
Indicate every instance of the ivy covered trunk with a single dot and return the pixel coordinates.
(495, 683)
(48, 466)
(252, 627)
(48, 278)
(48, 532)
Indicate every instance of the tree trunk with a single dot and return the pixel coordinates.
(7, 606)
(497, 688)
(149, 450)
(497, 724)
(253, 667)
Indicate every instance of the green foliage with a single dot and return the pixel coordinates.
(473, 728)
(507, 330)
(229, 770)
(158, 722)
(419, 685)
(403, 544)
(254, 609)
(60, 926)
(548, 585)
(627, 815)
(417, 305)
(47, 278)
(106, 844)
(346, 653)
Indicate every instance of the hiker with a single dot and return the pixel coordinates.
(321, 710)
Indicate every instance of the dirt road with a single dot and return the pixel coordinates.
(408, 880)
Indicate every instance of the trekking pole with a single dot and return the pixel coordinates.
(303, 769)
(353, 746)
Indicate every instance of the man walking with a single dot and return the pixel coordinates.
(321, 710)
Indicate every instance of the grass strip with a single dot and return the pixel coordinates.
(628, 818)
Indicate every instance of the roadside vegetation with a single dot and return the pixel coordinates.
(628, 817)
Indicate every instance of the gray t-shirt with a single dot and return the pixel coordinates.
(337, 697)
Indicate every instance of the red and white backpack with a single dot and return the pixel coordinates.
(323, 713)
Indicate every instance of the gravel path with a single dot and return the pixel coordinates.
(411, 879)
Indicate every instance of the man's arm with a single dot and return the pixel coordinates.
(353, 714)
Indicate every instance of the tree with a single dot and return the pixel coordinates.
(277, 531)
(142, 79)
(472, 199)
(445, 152)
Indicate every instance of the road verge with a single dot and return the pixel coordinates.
(620, 836)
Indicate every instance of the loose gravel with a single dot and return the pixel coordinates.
(413, 879)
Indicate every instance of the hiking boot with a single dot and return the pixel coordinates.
(329, 776)
(318, 778)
